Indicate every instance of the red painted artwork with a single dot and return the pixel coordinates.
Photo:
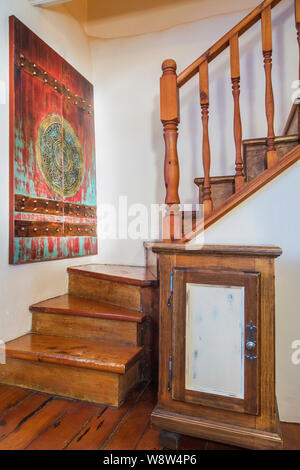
(52, 154)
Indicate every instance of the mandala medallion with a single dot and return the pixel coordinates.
(60, 155)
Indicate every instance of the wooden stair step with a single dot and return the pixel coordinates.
(132, 275)
(255, 153)
(68, 315)
(133, 288)
(72, 367)
(71, 305)
(222, 187)
(75, 352)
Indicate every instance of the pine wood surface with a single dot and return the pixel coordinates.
(74, 352)
(72, 305)
(38, 421)
(133, 275)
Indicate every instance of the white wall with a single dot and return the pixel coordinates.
(128, 129)
(271, 217)
(21, 286)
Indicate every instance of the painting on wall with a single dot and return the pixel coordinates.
(52, 154)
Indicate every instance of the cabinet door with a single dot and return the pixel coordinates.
(215, 338)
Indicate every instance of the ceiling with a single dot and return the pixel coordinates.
(124, 18)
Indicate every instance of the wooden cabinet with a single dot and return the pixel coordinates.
(217, 335)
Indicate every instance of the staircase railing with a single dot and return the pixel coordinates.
(170, 103)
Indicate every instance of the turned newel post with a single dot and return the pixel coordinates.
(169, 113)
(266, 25)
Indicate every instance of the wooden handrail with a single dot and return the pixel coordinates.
(211, 53)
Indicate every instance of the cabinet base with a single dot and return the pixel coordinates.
(216, 431)
(169, 440)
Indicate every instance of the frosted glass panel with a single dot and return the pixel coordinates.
(215, 340)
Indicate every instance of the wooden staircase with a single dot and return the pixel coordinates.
(94, 343)
(257, 161)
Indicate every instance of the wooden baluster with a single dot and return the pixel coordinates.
(297, 18)
(170, 118)
(204, 102)
(237, 124)
(266, 27)
(169, 112)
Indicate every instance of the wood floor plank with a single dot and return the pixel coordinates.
(133, 426)
(149, 440)
(291, 436)
(14, 418)
(98, 430)
(11, 397)
(31, 426)
(4, 388)
(61, 432)
(41, 422)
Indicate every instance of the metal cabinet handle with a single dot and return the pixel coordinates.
(251, 343)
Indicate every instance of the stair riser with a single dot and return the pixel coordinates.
(117, 293)
(115, 331)
(83, 384)
(220, 191)
(255, 155)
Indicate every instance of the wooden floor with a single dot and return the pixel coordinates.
(37, 421)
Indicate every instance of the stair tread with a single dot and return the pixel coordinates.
(278, 139)
(77, 352)
(134, 275)
(215, 179)
(71, 305)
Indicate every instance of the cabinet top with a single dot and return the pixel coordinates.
(229, 250)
